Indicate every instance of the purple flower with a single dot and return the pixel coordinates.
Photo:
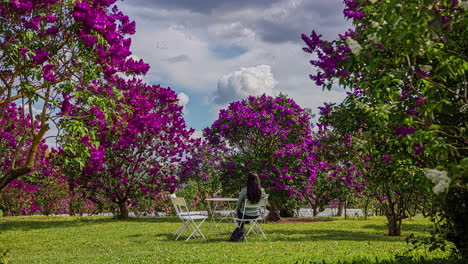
(417, 148)
(355, 15)
(422, 74)
(97, 112)
(40, 56)
(127, 27)
(89, 40)
(404, 130)
(97, 155)
(325, 110)
(378, 45)
(48, 67)
(413, 111)
(50, 18)
(420, 100)
(49, 76)
(52, 31)
(404, 95)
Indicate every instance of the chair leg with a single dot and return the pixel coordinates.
(259, 228)
(182, 230)
(196, 229)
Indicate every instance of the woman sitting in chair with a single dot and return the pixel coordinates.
(253, 192)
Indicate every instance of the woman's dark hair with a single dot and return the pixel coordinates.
(254, 190)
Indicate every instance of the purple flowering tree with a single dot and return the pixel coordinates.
(406, 72)
(47, 49)
(136, 153)
(272, 137)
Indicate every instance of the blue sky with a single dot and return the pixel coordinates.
(213, 52)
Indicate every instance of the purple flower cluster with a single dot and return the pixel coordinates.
(113, 55)
(329, 57)
(351, 10)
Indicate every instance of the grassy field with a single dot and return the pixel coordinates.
(40, 239)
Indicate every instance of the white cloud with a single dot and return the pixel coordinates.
(197, 134)
(245, 82)
(183, 101)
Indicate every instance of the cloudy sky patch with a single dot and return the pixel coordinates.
(217, 51)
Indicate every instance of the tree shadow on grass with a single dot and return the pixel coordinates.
(402, 260)
(48, 222)
(327, 235)
(406, 227)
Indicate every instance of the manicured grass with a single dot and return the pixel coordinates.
(40, 239)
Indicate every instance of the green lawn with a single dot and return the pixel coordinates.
(41, 239)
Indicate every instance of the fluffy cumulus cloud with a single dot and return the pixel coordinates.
(245, 82)
(197, 134)
(183, 100)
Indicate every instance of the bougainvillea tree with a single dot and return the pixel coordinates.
(47, 48)
(136, 153)
(410, 67)
(272, 137)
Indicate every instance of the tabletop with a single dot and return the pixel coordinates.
(222, 199)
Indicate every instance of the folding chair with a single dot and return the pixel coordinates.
(188, 218)
(261, 208)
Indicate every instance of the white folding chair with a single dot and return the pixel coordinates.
(256, 222)
(188, 218)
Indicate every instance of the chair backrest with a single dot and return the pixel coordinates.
(260, 206)
(179, 205)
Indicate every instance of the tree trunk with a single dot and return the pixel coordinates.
(274, 213)
(365, 212)
(345, 205)
(366, 206)
(394, 225)
(13, 174)
(340, 209)
(314, 209)
(123, 210)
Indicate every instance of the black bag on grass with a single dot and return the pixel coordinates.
(237, 235)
